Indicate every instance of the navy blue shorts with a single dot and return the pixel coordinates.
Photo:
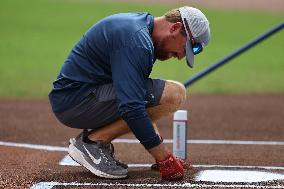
(100, 108)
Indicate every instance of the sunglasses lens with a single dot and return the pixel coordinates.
(197, 48)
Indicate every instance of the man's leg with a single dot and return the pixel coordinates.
(173, 96)
(94, 151)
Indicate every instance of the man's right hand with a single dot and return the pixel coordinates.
(170, 168)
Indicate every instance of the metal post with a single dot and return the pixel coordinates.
(233, 55)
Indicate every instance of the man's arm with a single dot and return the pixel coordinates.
(130, 68)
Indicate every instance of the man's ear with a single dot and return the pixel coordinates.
(176, 27)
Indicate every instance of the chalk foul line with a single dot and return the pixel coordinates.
(134, 141)
(34, 146)
(49, 185)
(68, 161)
(64, 149)
(234, 142)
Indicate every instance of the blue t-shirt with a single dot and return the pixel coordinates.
(119, 50)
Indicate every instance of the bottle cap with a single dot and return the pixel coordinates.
(180, 115)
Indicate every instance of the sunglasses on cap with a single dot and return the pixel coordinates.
(196, 47)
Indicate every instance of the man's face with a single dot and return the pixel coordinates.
(172, 45)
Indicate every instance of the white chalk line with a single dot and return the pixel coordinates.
(219, 166)
(134, 141)
(68, 161)
(64, 149)
(34, 146)
(49, 185)
(240, 142)
(240, 167)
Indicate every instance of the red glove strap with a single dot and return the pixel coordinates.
(170, 168)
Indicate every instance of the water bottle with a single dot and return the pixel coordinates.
(180, 134)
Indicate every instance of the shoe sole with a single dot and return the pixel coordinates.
(77, 156)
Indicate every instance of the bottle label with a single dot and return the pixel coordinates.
(180, 139)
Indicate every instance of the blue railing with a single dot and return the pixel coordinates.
(244, 48)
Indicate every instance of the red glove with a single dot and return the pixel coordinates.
(171, 168)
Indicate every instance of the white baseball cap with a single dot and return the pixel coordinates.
(197, 30)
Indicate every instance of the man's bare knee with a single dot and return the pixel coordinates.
(174, 94)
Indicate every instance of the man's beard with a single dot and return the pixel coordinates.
(160, 51)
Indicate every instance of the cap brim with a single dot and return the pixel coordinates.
(189, 54)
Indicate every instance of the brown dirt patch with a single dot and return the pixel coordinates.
(213, 117)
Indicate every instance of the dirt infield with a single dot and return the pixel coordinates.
(226, 118)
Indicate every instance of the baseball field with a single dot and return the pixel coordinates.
(236, 131)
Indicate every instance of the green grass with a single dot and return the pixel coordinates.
(37, 35)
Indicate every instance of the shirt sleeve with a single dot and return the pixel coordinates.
(130, 67)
